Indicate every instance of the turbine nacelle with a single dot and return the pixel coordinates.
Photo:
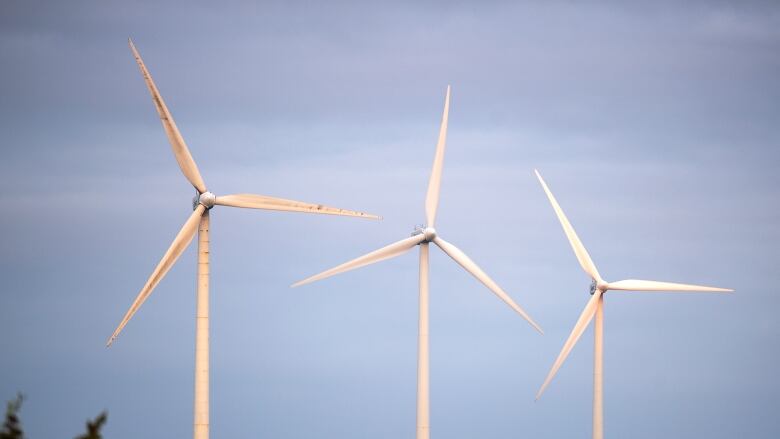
(429, 233)
(206, 199)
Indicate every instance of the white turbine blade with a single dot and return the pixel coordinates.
(180, 150)
(387, 252)
(434, 183)
(252, 201)
(579, 328)
(650, 285)
(179, 244)
(458, 256)
(579, 250)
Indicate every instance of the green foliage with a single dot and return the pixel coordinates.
(12, 427)
(93, 427)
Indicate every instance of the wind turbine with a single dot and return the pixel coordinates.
(595, 308)
(199, 222)
(422, 236)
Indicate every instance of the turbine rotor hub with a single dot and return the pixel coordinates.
(597, 285)
(206, 199)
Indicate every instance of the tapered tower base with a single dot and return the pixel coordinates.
(598, 371)
(423, 408)
(201, 409)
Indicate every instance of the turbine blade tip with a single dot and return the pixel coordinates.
(533, 324)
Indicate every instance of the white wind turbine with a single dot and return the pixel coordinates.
(595, 308)
(199, 222)
(422, 236)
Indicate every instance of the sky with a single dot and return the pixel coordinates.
(654, 124)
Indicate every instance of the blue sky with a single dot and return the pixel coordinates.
(654, 125)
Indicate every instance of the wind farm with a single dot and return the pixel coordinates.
(422, 236)
(160, 299)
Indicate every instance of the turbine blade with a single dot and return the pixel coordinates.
(579, 250)
(180, 150)
(579, 328)
(458, 256)
(179, 244)
(649, 285)
(387, 252)
(252, 201)
(434, 183)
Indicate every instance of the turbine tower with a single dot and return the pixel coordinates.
(199, 222)
(422, 236)
(595, 308)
